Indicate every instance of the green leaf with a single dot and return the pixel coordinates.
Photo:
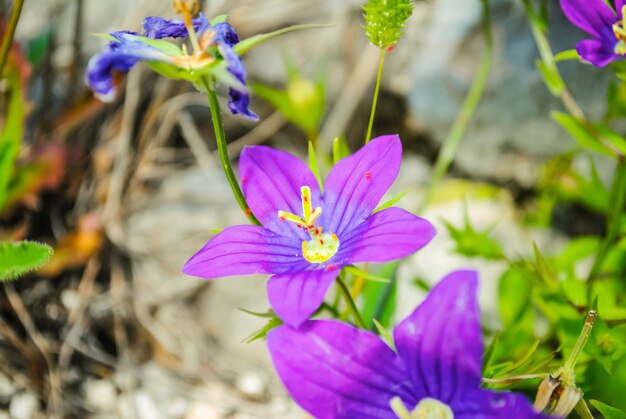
(473, 243)
(378, 299)
(513, 295)
(385, 334)
(392, 201)
(580, 133)
(607, 411)
(219, 19)
(262, 332)
(340, 149)
(19, 258)
(551, 77)
(569, 54)
(365, 275)
(314, 167)
(11, 137)
(249, 43)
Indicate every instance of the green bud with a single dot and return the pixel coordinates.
(385, 19)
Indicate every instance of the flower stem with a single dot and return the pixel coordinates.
(7, 38)
(453, 140)
(582, 339)
(618, 200)
(351, 305)
(220, 139)
(381, 61)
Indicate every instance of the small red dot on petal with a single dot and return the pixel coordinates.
(368, 175)
(331, 268)
(243, 179)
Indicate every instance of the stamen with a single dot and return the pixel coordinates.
(188, 8)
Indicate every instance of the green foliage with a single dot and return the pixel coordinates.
(19, 258)
(11, 137)
(379, 299)
(314, 167)
(301, 103)
(340, 149)
(607, 411)
(385, 20)
(473, 243)
(392, 201)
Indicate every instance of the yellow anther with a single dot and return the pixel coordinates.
(305, 194)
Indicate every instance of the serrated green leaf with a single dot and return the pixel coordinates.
(392, 201)
(472, 243)
(19, 258)
(249, 43)
(609, 412)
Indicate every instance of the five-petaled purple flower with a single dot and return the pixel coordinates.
(127, 48)
(334, 370)
(605, 24)
(307, 235)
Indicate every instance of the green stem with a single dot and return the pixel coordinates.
(381, 62)
(220, 139)
(7, 39)
(618, 200)
(452, 141)
(351, 305)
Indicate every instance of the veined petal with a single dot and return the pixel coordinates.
(597, 52)
(118, 57)
(592, 16)
(387, 235)
(333, 370)
(242, 250)
(356, 183)
(271, 181)
(296, 296)
(441, 341)
(489, 404)
(157, 27)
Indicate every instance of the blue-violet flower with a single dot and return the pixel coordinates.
(335, 371)
(215, 43)
(308, 236)
(604, 24)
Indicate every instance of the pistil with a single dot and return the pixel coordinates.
(322, 246)
(188, 8)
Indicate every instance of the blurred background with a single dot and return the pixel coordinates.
(126, 192)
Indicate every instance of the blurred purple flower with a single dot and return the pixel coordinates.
(604, 24)
(333, 370)
(308, 236)
(128, 48)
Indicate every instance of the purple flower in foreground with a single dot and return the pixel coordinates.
(308, 236)
(604, 24)
(334, 370)
(127, 48)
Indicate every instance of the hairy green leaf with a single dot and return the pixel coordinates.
(18, 258)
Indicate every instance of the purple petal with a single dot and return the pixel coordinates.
(619, 4)
(226, 34)
(296, 296)
(492, 404)
(271, 181)
(242, 250)
(239, 99)
(356, 183)
(156, 27)
(597, 52)
(387, 235)
(336, 371)
(118, 57)
(441, 342)
(592, 16)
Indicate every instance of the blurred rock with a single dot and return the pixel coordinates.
(24, 406)
(100, 395)
(251, 385)
(7, 388)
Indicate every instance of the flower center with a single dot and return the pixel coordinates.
(619, 30)
(426, 409)
(322, 246)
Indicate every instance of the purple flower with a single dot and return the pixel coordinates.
(334, 370)
(604, 24)
(307, 235)
(128, 48)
